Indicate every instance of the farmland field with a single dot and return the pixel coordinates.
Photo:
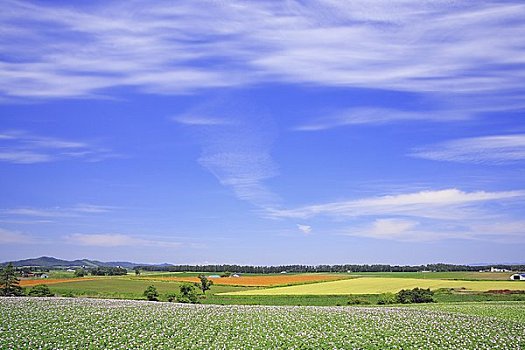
(35, 282)
(258, 281)
(377, 285)
(52, 323)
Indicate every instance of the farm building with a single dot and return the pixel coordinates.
(518, 277)
(236, 275)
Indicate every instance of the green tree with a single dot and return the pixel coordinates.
(80, 273)
(151, 293)
(205, 284)
(40, 290)
(187, 294)
(137, 271)
(9, 283)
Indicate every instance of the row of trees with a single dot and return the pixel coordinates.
(108, 271)
(325, 268)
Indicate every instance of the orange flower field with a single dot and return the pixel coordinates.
(35, 282)
(258, 281)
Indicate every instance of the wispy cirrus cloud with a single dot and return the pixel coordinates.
(171, 48)
(378, 116)
(431, 204)
(236, 146)
(496, 149)
(200, 120)
(21, 147)
(117, 240)
(56, 212)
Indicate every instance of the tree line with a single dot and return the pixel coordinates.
(325, 268)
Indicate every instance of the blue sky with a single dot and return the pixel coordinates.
(263, 132)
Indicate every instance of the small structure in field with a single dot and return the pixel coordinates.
(214, 276)
(495, 269)
(283, 272)
(44, 276)
(518, 277)
(236, 275)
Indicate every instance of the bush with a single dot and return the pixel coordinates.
(386, 299)
(416, 295)
(357, 301)
(40, 291)
(68, 294)
(171, 297)
(151, 293)
(187, 295)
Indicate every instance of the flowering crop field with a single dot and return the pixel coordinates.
(61, 323)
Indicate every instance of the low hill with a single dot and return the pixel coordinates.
(46, 261)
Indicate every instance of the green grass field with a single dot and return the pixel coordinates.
(378, 285)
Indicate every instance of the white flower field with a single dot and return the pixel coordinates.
(68, 323)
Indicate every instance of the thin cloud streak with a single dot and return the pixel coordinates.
(378, 116)
(177, 47)
(20, 147)
(116, 240)
(431, 204)
(496, 149)
(57, 212)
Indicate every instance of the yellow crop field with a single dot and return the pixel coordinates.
(365, 285)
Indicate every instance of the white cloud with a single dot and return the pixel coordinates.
(306, 229)
(497, 149)
(200, 120)
(406, 230)
(116, 240)
(435, 46)
(448, 203)
(53, 212)
(8, 237)
(24, 148)
(504, 230)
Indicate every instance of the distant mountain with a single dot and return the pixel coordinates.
(47, 261)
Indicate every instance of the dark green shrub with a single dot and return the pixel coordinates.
(357, 301)
(40, 291)
(151, 293)
(187, 295)
(416, 295)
